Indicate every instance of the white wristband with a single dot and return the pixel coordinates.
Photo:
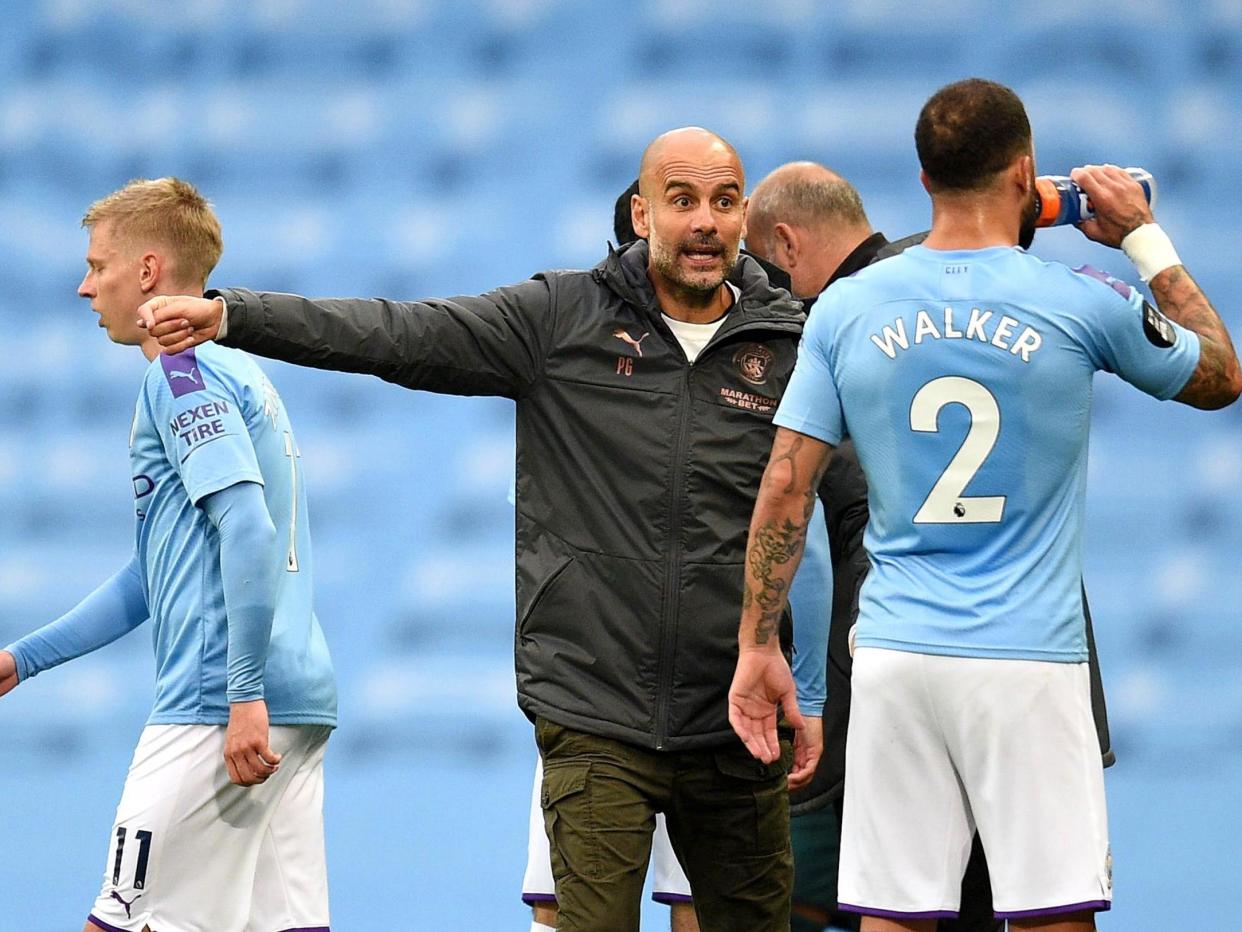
(224, 318)
(1150, 249)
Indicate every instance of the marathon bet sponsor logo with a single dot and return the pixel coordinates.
(748, 401)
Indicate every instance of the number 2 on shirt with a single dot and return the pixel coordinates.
(945, 503)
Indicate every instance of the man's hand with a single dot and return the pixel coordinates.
(1118, 201)
(8, 672)
(179, 321)
(761, 683)
(247, 754)
(808, 748)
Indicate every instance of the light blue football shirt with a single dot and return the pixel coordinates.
(810, 601)
(964, 378)
(206, 419)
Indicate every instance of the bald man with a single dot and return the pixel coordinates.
(809, 221)
(644, 392)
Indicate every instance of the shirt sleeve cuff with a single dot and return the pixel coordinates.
(19, 660)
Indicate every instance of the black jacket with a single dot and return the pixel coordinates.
(637, 472)
(845, 506)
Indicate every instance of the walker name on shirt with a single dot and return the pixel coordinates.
(984, 326)
(199, 424)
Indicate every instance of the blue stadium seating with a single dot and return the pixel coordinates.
(430, 148)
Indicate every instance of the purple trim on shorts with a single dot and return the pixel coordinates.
(668, 899)
(894, 914)
(530, 899)
(1095, 906)
(103, 925)
(108, 928)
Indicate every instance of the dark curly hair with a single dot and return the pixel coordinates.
(968, 131)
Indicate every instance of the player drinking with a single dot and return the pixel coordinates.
(962, 370)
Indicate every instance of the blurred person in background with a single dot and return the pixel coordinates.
(971, 690)
(644, 391)
(220, 824)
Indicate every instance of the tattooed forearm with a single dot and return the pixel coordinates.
(788, 459)
(778, 533)
(771, 559)
(783, 470)
(1217, 379)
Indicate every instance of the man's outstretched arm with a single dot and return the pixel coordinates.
(785, 506)
(490, 344)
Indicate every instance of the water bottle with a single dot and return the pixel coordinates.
(1058, 200)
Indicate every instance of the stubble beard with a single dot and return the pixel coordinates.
(693, 287)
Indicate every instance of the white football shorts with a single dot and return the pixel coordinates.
(192, 852)
(940, 746)
(668, 882)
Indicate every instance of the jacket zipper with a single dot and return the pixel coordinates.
(672, 574)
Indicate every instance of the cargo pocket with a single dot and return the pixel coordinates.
(758, 797)
(567, 818)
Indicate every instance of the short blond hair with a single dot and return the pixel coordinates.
(168, 212)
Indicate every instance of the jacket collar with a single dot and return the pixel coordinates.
(862, 256)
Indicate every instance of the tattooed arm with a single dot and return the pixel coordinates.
(1121, 209)
(763, 684)
(1217, 379)
(778, 532)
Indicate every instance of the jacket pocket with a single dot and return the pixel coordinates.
(557, 571)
